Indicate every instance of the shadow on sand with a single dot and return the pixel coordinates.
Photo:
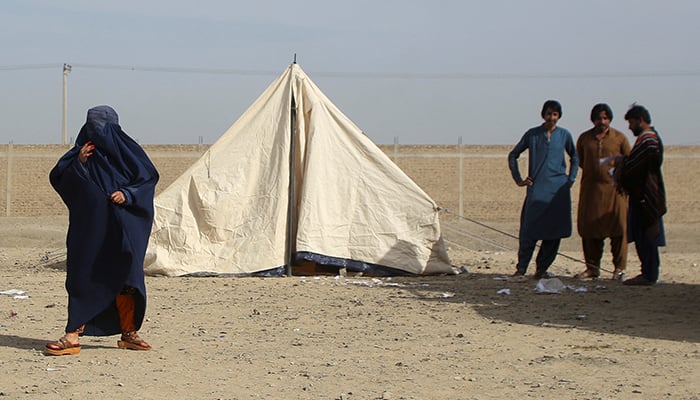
(24, 343)
(669, 311)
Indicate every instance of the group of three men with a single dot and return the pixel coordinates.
(622, 193)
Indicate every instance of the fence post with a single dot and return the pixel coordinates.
(460, 184)
(8, 187)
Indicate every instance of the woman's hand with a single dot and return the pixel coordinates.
(118, 197)
(86, 151)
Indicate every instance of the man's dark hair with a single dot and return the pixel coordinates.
(638, 112)
(553, 105)
(599, 108)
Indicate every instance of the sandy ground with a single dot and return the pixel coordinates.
(331, 337)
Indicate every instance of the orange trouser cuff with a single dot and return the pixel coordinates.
(125, 307)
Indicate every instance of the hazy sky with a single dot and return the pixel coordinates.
(424, 72)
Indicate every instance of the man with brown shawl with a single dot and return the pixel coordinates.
(602, 209)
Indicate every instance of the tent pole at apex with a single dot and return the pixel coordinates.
(290, 200)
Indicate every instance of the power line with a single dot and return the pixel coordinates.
(481, 75)
(213, 71)
(378, 75)
(29, 66)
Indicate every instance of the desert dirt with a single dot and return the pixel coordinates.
(357, 337)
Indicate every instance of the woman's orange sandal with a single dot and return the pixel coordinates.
(132, 341)
(62, 347)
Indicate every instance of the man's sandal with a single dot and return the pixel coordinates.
(62, 347)
(589, 273)
(618, 275)
(132, 341)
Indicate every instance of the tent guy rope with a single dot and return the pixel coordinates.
(510, 235)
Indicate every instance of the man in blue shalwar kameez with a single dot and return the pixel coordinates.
(546, 212)
(107, 182)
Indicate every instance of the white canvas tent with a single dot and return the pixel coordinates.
(247, 205)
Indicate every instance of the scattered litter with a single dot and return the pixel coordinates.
(504, 291)
(447, 295)
(552, 325)
(15, 293)
(360, 283)
(577, 289)
(373, 283)
(12, 292)
(553, 285)
(501, 278)
(342, 280)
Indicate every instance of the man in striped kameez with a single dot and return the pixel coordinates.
(640, 176)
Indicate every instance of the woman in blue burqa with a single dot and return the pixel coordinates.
(107, 182)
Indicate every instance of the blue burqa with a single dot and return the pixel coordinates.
(546, 212)
(106, 242)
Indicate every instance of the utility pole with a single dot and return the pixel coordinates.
(66, 69)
